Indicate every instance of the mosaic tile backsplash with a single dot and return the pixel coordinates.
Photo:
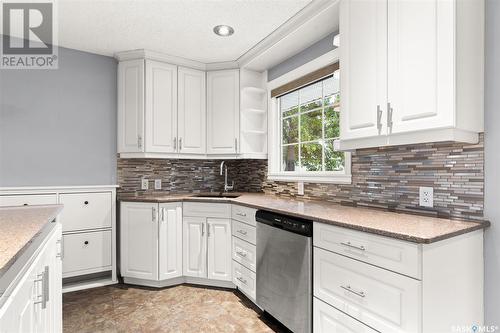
(386, 178)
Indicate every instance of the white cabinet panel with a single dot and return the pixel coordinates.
(161, 107)
(244, 214)
(421, 64)
(219, 249)
(131, 106)
(363, 27)
(192, 111)
(194, 247)
(245, 232)
(139, 240)
(223, 112)
(245, 253)
(86, 210)
(204, 209)
(29, 199)
(244, 279)
(170, 240)
(327, 319)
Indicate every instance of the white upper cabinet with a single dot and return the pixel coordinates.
(161, 107)
(192, 111)
(131, 106)
(170, 240)
(411, 72)
(223, 108)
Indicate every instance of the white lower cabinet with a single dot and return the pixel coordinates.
(150, 240)
(195, 248)
(245, 280)
(219, 249)
(35, 304)
(327, 319)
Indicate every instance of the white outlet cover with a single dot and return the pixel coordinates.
(157, 184)
(426, 196)
(300, 188)
(144, 184)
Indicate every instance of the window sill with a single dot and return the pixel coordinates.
(327, 178)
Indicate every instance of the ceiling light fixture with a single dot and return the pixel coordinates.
(223, 30)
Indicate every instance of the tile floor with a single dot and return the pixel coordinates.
(185, 308)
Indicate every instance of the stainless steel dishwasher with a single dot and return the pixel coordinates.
(284, 269)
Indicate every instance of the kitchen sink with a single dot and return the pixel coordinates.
(216, 195)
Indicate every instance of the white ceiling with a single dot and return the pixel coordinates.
(176, 27)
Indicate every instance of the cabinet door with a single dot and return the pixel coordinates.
(363, 68)
(421, 64)
(219, 249)
(131, 106)
(195, 247)
(161, 107)
(139, 240)
(192, 111)
(170, 240)
(223, 109)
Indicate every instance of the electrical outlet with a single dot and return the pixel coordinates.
(426, 196)
(300, 188)
(144, 184)
(157, 184)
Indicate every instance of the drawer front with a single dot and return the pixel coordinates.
(244, 279)
(384, 300)
(395, 255)
(86, 253)
(86, 210)
(203, 209)
(244, 253)
(244, 214)
(28, 199)
(245, 232)
(327, 319)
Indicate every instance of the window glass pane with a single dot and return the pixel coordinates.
(311, 154)
(332, 123)
(310, 96)
(290, 161)
(289, 101)
(334, 160)
(331, 85)
(310, 126)
(290, 130)
(291, 112)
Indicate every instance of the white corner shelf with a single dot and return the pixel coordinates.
(254, 132)
(253, 110)
(255, 90)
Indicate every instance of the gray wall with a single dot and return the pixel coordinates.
(317, 49)
(492, 163)
(58, 127)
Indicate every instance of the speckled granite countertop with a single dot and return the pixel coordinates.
(18, 227)
(408, 227)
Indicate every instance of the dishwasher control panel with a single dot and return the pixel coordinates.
(293, 224)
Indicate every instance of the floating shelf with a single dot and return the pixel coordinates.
(254, 132)
(253, 110)
(254, 90)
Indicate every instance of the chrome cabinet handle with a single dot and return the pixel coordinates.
(139, 141)
(175, 144)
(389, 116)
(203, 229)
(379, 118)
(208, 229)
(241, 253)
(241, 280)
(243, 232)
(153, 214)
(44, 279)
(60, 252)
(241, 214)
(349, 289)
(235, 145)
(162, 214)
(180, 144)
(348, 244)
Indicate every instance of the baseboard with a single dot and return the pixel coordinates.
(179, 280)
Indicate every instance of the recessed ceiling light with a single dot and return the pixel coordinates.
(223, 30)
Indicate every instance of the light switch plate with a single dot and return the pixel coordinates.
(144, 184)
(157, 184)
(426, 196)
(300, 188)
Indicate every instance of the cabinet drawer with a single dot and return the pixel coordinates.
(244, 253)
(244, 231)
(28, 199)
(395, 255)
(203, 209)
(244, 214)
(381, 299)
(244, 279)
(86, 210)
(85, 253)
(327, 319)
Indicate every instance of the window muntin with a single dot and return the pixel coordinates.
(309, 124)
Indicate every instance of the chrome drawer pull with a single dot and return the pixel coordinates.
(348, 244)
(349, 289)
(241, 214)
(243, 232)
(242, 280)
(242, 254)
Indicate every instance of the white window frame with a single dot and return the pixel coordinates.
(274, 131)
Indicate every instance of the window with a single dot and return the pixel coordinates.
(309, 121)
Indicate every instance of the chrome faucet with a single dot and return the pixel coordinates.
(223, 168)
